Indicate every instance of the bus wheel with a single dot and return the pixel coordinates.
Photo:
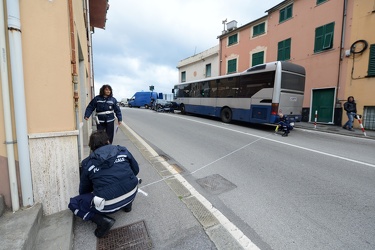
(226, 115)
(182, 108)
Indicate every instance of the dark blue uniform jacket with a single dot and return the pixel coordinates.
(109, 172)
(102, 104)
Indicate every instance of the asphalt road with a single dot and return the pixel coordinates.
(306, 191)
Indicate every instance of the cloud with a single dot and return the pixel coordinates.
(144, 40)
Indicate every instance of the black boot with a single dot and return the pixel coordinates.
(104, 224)
(127, 208)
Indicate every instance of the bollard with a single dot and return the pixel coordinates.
(316, 117)
(360, 124)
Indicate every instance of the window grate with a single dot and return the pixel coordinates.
(369, 118)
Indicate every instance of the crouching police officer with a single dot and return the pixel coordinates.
(108, 183)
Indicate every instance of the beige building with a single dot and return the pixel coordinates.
(46, 83)
(360, 73)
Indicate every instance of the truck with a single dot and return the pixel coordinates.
(144, 99)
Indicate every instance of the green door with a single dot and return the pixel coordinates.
(323, 102)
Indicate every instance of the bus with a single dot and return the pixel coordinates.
(256, 95)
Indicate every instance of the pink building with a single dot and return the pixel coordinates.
(311, 33)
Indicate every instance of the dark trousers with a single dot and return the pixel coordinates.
(83, 206)
(109, 128)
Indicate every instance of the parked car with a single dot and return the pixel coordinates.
(123, 102)
(165, 106)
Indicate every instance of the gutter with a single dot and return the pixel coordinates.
(7, 114)
(16, 63)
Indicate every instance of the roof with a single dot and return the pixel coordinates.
(98, 13)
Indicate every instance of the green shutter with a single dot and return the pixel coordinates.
(232, 39)
(320, 1)
(287, 44)
(328, 37)
(319, 32)
(283, 50)
(371, 63)
(258, 29)
(257, 58)
(232, 66)
(286, 13)
(289, 11)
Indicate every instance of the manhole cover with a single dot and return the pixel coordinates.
(133, 236)
(216, 184)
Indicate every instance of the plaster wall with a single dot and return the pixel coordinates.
(357, 84)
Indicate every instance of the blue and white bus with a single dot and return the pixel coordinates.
(256, 95)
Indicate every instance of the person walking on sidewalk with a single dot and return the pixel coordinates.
(351, 111)
(106, 107)
(108, 183)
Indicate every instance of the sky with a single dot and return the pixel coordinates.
(144, 40)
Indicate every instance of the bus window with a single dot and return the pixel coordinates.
(293, 82)
(252, 83)
(228, 87)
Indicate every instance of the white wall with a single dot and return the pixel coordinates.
(195, 66)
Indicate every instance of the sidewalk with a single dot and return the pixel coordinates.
(165, 213)
(327, 128)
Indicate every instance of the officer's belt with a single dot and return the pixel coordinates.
(105, 112)
(122, 197)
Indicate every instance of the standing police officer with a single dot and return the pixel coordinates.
(106, 107)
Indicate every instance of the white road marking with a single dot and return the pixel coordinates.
(280, 142)
(237, 234)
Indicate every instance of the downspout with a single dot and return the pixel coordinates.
(7, 114)
(16, 64)
(90, 50)
(74, 72)
(341, 48)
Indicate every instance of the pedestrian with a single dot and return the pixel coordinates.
(351, 111)
(284, 124)
(106, 107)
(108, 183)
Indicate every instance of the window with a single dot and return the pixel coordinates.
(232, 39)
(371, 63)
(259, 29)
(324, 37)
(257, 58)
(183, 76)
(208, 70)
(320, 1)
(283, 50)
(232, 66)
(286, 13)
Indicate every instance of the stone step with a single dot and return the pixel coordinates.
(27, 228)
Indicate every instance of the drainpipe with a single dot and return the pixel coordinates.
(92, 90)
(7, 114)
(16, 63)
(341, 46)
(74, 72)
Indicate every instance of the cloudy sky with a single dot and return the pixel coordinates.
(144, 40)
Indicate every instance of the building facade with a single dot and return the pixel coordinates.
(291, 31)
(360, 73)
(201, 65)
(47, 81)
(319, 35)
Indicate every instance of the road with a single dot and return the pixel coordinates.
(306, 191)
